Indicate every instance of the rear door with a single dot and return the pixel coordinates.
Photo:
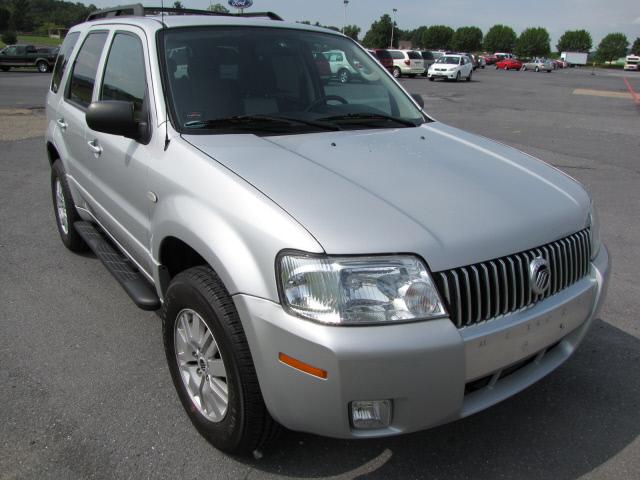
(70, 119)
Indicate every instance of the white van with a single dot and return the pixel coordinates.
(407, 62)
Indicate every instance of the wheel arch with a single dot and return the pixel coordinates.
(52, 153)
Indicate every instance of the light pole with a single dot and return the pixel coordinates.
(346, 2)
(393, 23)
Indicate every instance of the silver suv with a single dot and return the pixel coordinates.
(325, 256)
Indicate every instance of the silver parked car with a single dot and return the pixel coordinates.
(538, 64)
(325, 256)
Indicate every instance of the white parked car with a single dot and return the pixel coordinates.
(451, 67)
(407, 62)
(340, 66)
(538, 64)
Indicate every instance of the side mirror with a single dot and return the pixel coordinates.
(418, 98)
(115, 117)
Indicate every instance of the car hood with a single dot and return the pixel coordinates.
(445, 64)
(452, 197)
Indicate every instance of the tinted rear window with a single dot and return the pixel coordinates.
(62, 60)
(383, 54)
(85, 67)
(414, 55)
(396, 54)
(427, 55)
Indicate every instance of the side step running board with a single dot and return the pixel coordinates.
(136, 286)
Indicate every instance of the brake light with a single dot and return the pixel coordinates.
(407, 62)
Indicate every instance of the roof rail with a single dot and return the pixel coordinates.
(137, 10)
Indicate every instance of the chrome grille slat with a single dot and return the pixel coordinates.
(478, 294)
(483, 291)
(457, 296)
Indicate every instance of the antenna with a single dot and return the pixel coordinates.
(166, 104)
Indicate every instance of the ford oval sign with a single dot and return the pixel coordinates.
(241, 3)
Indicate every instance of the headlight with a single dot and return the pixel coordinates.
(594, 230)
(357, 290)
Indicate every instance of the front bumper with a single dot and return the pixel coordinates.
(446, 74)
(433, 372)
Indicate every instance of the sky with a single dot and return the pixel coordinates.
(599, 17)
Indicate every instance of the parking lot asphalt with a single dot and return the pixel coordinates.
(86, 392)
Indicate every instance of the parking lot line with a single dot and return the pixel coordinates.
(635, 96)
(601, 93)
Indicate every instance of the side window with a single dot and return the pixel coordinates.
(10, 51)
(124, 73)
(62, 59)
(83, 75)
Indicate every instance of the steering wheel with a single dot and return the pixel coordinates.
(326, 99)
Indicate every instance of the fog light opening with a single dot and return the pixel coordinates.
(370, 414)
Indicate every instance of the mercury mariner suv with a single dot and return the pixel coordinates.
(326, 257)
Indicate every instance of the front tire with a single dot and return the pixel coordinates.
(458, 77)
(64, 209)
(537, 69)
(211, 365)
(343, 76)
(42, 66)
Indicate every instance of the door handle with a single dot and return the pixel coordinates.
(60, 122)
(94, 147)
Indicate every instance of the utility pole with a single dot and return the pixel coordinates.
(346, 2)
(393, 24)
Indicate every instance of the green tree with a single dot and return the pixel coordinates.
(533, 42)
(379, 35)
(178, 4)
(352, 31)
(437, 37)
(500, 38)
(467, 39)
(218, 8)
(9, 38)
(575, 41)
(5, 16)
(21, 17)
(635, 48)
(418, 36)
(612, 47)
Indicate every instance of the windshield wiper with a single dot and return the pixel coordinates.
(366, 118)
(257, 121)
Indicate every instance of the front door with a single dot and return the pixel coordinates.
(119, 164)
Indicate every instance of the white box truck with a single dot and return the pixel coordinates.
(574, 58)
(632, 62)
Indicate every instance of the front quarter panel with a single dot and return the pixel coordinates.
(233, 226)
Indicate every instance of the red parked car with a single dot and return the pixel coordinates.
(385, 58)
(509, 64)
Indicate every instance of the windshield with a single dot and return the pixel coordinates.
(275, 81)
(448, 59)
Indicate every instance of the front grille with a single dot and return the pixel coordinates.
(487, 290)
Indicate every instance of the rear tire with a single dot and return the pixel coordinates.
(537, 69)
(431, 79)
(64, 209)
(5, 69)
(396, 72)
(244, 424)
(42, 66)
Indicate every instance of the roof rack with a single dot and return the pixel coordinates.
(137, 10)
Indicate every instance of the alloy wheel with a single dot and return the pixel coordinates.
(201, 367)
